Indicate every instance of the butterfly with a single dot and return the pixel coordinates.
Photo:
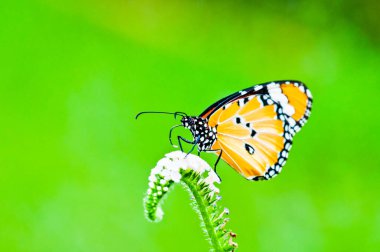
(253, 129)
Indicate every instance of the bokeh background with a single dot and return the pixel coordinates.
(74, 163)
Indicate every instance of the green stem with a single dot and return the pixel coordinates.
(202, 207)
(197, 177)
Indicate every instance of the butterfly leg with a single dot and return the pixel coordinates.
(185, 140)
(194, 144)
(216, 163)
(170, 135)
(217, 160)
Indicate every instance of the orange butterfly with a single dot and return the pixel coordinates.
(252, 130)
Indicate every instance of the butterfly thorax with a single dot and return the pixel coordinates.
(203, 134)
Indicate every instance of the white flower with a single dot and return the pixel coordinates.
(152, 177)
(211, 179)
(170, 167)
(176, 176)
(166, 174)
(176, 155)
(164, 162)
(156, 170)
(151, 184)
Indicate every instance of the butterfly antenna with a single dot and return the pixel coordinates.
(170, 134)
(160, 112)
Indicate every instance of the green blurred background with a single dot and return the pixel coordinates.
(74, 163)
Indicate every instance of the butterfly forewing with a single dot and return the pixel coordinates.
(255, 126)
(295, 99)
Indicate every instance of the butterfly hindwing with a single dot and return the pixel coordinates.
(255, 126)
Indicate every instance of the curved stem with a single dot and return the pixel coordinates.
(199, 178)
(205, 215)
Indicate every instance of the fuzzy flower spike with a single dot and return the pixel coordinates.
(199, 178)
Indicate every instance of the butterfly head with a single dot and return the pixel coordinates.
(194, 123)
(187, 121)
(203, 134)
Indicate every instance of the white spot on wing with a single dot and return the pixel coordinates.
(308, 93)
(272, 85)
(280, 98)
(302, 88)
(292, 122)
(258, 87)
(274, 90)
(289, 110)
